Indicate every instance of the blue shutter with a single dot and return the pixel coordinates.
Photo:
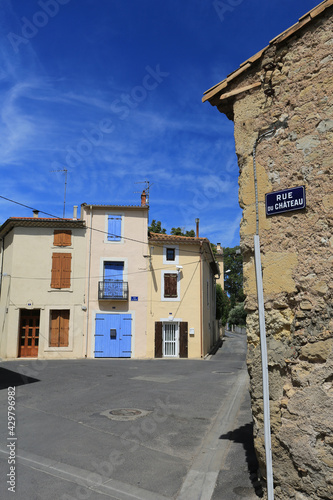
(114, 228)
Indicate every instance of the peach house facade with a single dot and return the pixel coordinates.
(116, 283)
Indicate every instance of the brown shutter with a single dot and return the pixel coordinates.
(183, 340)
(158, 339)
(66, 259)
(62, 238)
(56, 270)
(64, 328)
(59, 328)
(170, 285)
(54, 329)
(61, 270)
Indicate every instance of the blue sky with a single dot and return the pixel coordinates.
(111, 91)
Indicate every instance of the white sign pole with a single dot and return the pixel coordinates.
(264, 363)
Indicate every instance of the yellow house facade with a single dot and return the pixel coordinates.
(181, 297)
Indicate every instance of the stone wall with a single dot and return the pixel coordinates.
(297, 255)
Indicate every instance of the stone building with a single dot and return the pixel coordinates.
(281, 103)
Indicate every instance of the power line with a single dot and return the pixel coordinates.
(161, 245)
(99, 277)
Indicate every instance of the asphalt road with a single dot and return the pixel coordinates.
(128, 429)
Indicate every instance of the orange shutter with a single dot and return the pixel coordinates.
(62, 238)
(61, 270)
(64, 328)
(54, 329)
(59, 328)
(56, 270)
(66, 259)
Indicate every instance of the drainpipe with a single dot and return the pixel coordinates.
(201, 302)
(88, 287)
(262, 328)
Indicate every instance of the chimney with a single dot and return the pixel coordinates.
(218, 248)
(75, 212)
(197, 224)
(35, 212)
(143, 199)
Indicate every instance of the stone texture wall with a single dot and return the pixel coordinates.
(297, 255)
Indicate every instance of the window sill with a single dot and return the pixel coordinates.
(69, 247)
(68, 290)
(58, 349)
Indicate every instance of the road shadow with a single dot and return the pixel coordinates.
(8, 378)
(244, 436)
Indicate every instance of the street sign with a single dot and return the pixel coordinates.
(285, 201)
(134, 299)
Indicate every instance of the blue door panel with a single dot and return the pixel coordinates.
(113, 335)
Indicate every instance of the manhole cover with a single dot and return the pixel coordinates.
(125, 414)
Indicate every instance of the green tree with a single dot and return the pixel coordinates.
(177, 231)
(233, 275)
(156, 227)
(237, 315)
(222, 304)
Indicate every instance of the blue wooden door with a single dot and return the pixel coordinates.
(113, 335)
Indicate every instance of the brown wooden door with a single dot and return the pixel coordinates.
(29, 333)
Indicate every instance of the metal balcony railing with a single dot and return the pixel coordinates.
(112, 290)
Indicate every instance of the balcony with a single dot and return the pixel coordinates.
(112, 290)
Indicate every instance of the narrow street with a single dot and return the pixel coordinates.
(131, 429)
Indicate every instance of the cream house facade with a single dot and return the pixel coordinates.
(181, 297)
(116, 284)
(42, 296)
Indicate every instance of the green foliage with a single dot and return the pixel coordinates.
(233, 280)
(156, 227)
(222, 304)
(237, 315)
(177, 231)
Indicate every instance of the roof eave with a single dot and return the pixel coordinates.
(218, 94)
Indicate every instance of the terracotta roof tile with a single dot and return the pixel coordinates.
(173, 237)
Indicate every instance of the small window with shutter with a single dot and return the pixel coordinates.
(170, 285)
(114, 227)
(61, 270)
(62, 238)
(59, 328)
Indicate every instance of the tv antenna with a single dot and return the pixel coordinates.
(147, 188)
(65, 172)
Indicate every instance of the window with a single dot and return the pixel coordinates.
(61, 270)
(113, 271)
(62, 238)
(170, 254)
(113, 285)
(59, 328)
(170, 285)
(114, 227)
